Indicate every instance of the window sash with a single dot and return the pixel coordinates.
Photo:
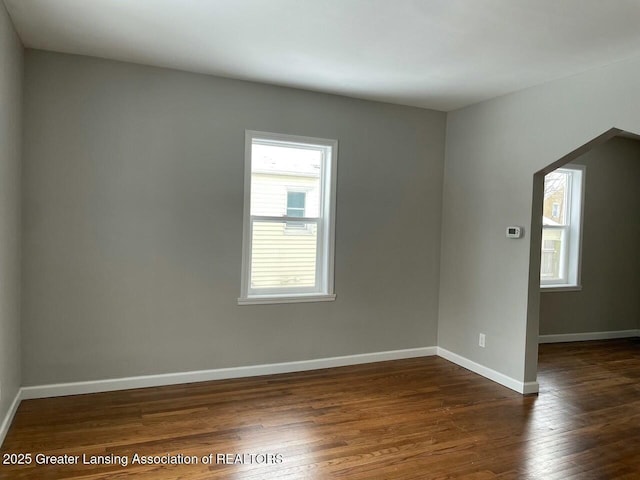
(563, 269)
(318, 282)
(285, 218)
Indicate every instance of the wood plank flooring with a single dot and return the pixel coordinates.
(421, 418)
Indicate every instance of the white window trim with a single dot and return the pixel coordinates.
(572, 262)
(326, 225)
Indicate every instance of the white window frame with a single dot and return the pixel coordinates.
(324, 290)
(571, 257)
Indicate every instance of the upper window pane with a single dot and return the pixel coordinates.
(276, 170)
(556, 189)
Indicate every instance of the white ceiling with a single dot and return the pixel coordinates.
(440, 54)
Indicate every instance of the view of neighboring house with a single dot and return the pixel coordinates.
(553, 220)
(285, 183)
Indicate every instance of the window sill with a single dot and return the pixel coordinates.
(273, 299)
(560, 288)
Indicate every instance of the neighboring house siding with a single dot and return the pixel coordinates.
(283, 255)
(557, 198)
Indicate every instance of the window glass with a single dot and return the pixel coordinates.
(561, 227)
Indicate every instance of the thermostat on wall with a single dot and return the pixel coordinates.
(514, 232)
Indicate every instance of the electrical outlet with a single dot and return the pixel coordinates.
(481, 340)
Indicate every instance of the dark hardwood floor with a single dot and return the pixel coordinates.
(421, 418)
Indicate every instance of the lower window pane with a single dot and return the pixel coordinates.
(551, 264)
(283, 255)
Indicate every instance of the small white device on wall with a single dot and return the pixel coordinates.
(514, 232)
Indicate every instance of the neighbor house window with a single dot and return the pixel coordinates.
(296, 202)
(561, 228)
(289, 217)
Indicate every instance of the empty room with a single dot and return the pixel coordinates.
(296, 239)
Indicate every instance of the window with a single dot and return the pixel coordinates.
(561, 228)
(288, 242)
(296, 202)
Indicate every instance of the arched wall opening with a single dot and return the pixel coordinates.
(534, 292)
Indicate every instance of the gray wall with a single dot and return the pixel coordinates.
(609, 300)
(493, 150)
(10, 135)
(133, 191)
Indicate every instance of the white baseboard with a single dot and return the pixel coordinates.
(8, 418)
(95, 386)
(520, 387)
(582, 337)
